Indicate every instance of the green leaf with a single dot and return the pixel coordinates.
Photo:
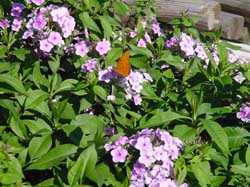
(36, 126)
(241, 170)
(121, 8)
(17, 127)
(112, 56)
(184, 132)
(47, 183)
(218, 157)
(66, 85)
(21, 53)
(8, 104)
(38, 146)
(201, 171)
(3, 50)
(149, 93)
(88, 22)
(106, 26)
(13, 82)
(102, 175)
(217, 134)
(247, 155)
(217, 180)
(35, 98)
(68, 112)
(14, 166)
(161, 118)
(100, 91)
(236, 137)
(92, 126)
(38, 78)
(84, 165)
(53, 157)
(9, 178)
(172, 60)
(141, 50)
(54, 65)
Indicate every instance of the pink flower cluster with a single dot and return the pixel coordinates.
(244, 113)
(48, 26)
(155, 152)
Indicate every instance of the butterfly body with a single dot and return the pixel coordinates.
(123, 67)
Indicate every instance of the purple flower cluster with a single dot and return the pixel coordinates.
(244, 113)
(188, 45)
(132, 84)
(192, 48)
(155, 152)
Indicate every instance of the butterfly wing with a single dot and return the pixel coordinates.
(123, 67)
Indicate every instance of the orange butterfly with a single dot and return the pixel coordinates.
(123, 67)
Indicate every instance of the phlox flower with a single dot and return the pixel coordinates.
(137, 87)
(171, 42)
(36, 2)
(199, 49)
(133, 34)
(147, 38)
(103, 47)
(244, 113)
(231, 56)
(147, 159)
(239, 77)
(144, 144)
(16, 9)
(144, 24)
(109, 131)
(81, 49)
(27, 34)
(45, 45)
(137, 99)
(39, 22)
(147, 77)
(55, 38)
(16, 24)
(59, 13)
(156, 28)
(4, 23)
(86, 32)
(168, 183)
(119, 154)
(216, 57)
(141, 43)
(111, 98)
(89, 66)
(68, 26)
(135, 77)
(187, 44)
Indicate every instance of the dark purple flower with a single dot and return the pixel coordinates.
(244, 114)
(17, 9)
